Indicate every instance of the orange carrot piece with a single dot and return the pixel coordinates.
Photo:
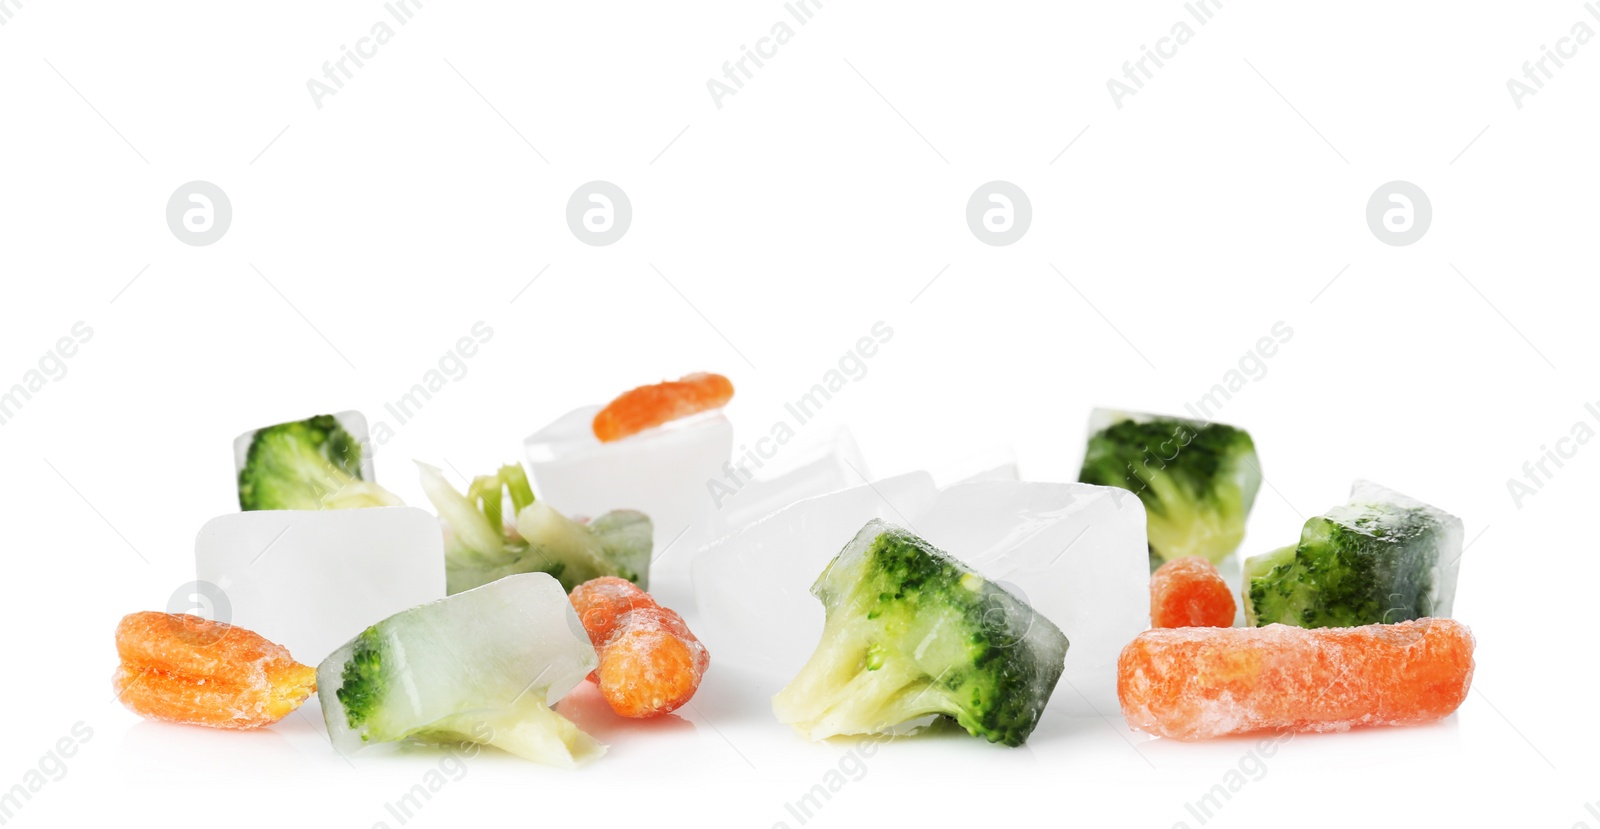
(1189, 592)
(649, 406)
(650, 663)
(190, 670)
(1196, 683)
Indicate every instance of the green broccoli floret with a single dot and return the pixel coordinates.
(912, 632)
(1380, 559)
(308, 464)
(1197, 480)
(359, 691)
(482, 545)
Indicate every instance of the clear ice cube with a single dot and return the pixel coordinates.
(311, 580)
(1074, 552)
(483, 665)
(753, 588)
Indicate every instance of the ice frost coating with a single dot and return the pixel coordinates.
(911, 632)
(1197, 683)
(481, 666)
(1383, 557)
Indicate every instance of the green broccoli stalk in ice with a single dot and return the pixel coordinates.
(308, 464)
(912, 632)
(1197, 480)
(479, 667)
(1379, 559)
(482, 545)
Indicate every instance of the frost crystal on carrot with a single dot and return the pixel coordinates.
(650, 663)
(190, 670)
(1197, 683)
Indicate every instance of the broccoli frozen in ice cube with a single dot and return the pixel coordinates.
(482, 666)
(911, 632)
(481, 545)
(1381, 558)
(309, 464)
(1197, 480)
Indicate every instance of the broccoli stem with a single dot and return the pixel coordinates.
(840, 692)
(528, 728)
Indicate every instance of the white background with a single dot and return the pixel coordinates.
(826, 195)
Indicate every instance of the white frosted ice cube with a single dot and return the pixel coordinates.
(829, 466)
(1074, 552)
(662, 472)
(312, 579)
(753, 588)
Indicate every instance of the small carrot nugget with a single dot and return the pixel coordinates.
(649, 661)
(649, 406)
(186, 669)
(1189, 592)
(1195, 683)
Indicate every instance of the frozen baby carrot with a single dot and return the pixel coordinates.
(1189, 592)
(649, 406)
(649, 661)
(186, 669)
(1196, 683)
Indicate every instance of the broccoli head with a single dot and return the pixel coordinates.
(1379, 559)
(483, 543)
(1197, 480)
(912, 632)
(308, 464)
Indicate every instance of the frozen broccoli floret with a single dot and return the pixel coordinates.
(912, 632)
(1197, 480)
(308, 464)
(483, 544)
(483, 666)
(1381, 558)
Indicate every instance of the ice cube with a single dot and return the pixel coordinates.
(481, 666)
(311, 580)
(1074, 552)
(831, 465)
(353, 422)
(753, 588)
(663, 472)
(1381, 558)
